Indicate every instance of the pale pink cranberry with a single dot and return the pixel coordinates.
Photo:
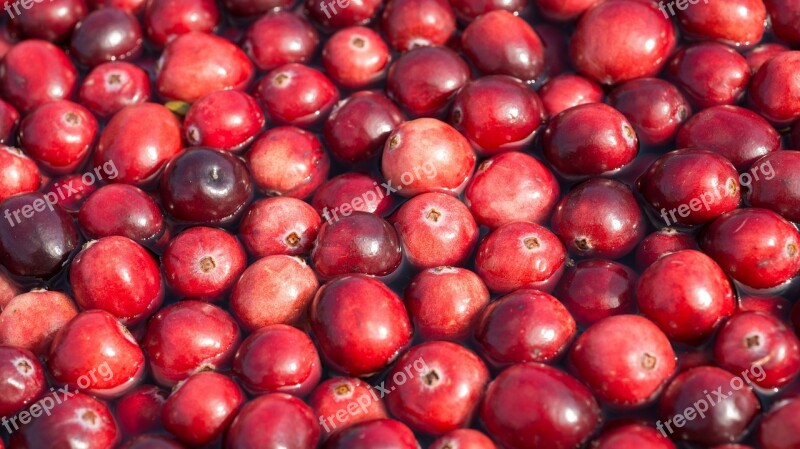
(351, 192)
(565, 91)
(280, 38)
(31, 320)
(355, 57)
(23, 379)
(334, 395)
(279, 225)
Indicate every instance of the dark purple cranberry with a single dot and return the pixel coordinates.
(595, 289)
(108, 34)
(425, 80)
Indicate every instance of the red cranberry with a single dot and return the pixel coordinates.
(524, 326)
(426, 155)
(654, 107)
(280, 38)
(355, 57)
(256, 7)
(589, 139)
(568, 90)
(757, 247)
(436, 229)
(187, 337)
(424, 81)
(710, 73)
(782, 196)
(463, 439)
(274, 420)
(52, 21)
(224, 120)
(444, 303)
(776, 306)
(686, 294)
(337, 14)
(735, 22)
(633, 436)
(20, 173)
(595, 289)
(376, 250)
(661, 243)
(763, 53)
(111, 86)
(278, 358)
(774, 91)
(351, 192)
(30, 320)
(9, 119)
(58, 135)
(520, 255)
(383, 433)
(611, 57)
(500, 43)
(36, 72)
(564, 11)
(72, 191)
(784, 17)
(108, 34)
(410, 24)
(517, 422)
(23, 379)
(726, 417)
(332, 398)
(121, 209)
(195, 64)
(273, 290)
(279, 225)
(344, 307)
(511, 187)
(152, 442)
(288, 161)
(469, 10)
(358, 126)
(132, 6)
(166, 19)
(139, 411)
(778, 429)
(443, 391)
(294, 94)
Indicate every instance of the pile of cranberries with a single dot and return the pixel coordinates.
(402, 224)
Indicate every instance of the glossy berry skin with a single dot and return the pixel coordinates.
(500, 43)
(763, 53)
(280, 38)
(661, 243)
(710, 73)
(782, 197)
(739, 134)
(568, 90)
(276, 289)
(699, 185)
(524, 326)
(444, 391)
(517, 421)
(686, 294)
(288, 161)
(351, 191)
(279, 225)
(224, 120)
(755, 338)
(187, 337)
(205, 186)
(595, 289)
(23, 379)
(436, 229)
(203, 263)
(166, 19)
(21, 174)
(37, 246)
(599, 218)
(621, 370)
(139, 411)
(776, 430)
(195, 64)
(773, 91)
(497, 113)
(344, 309)
(58, 135)
(564, 11)
(36, 72)
(783, 15)
(30, 320)
(376, 251)
(117, 275)
(111, 86)
(468, 10)
(410, 24)
(655, 108)
(355, 57)
(520, 255)
(256, 7)
(295, 94)
(274, 420)
(124, 210)
(610, 58)
(138, 141)
(9, 119)
(589, 140)
(739, 23)
(278, 358)
(372, 434)
(726, 421)
(107, 365)
(509, 187)
(108, 34)
(358, 126)
(336, 394)
(427, 155)
(424, 81)
(53, 21)
(444, 303)
(633, 436)
(463, 439)
(757, 247)
(775, 306)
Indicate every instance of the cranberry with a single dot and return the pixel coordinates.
(654, 107)
(497, 113)
(36, 72)
(784, 15)
(564, 11)
(568, 90)
(355, 57)
(23, 379)
(111, 86)
(611, 57)
(187, 337)
(595, 289)
(469, 10)
(379, 433)
(202, 407)
(773, 89)
(463, 439)
(288, 161)
(511, 187)
(280, 38)
(273, 290)
(108, 34)
(710, 74)
(52, 21)
(152, 442)
(589, 139)
(444, 303)
(436, 229)
(294, 94)
(500, 43)
(661, 243)
(736, 22)
(20, 173)
(71, 190)
(132, 6)
(686, 294)
(520, 255)
(9, 119)
(424, 81)
(274, 420)
(778, 428)
(632, 436)
(524, 326)
(139, 411)
(358, 126)
(757, 247)
(763, 53)
(776, 306)
(343, 309)
(31, 320)
(351, 192)
(195, 64)
(348, 13)
(334, 396)
(124, 210)
(783, 196)
(517, 422)
(410, 24)
(727, 417)
(39, 242)
(256, 7)
(279, 225)
(224, 120)
(427, 155)
(166, 19)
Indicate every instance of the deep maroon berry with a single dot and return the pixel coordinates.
(108, 34)
(568, 90)
(274, 420)
(166, 19)
(358, 126)
(111, 86)
(386, 433)
(121, 209)
(280, 38)
(661, 243)
(410, 24)
(224, 120)
(595, 289)
(351, 191)
(294, 94)
(654, 107)
(23, 379)
(36, 72)
(20, 173)
(781, 195)
(774, 91)
(53, 21)
(736, 22)
(279, 225)
(355, 57)
(424, 81)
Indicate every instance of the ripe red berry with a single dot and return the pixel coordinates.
(425, 80)
(23, 379)
(139, 411)
(223, 120)
(595, 289)
(280, 38)
(279, 225)
(355, 57)
(111, 86)
(31, 320)
(739, 23)
(777, 429)
(274, 420)
(410, 24)
(569, 90)
(164, 20)
(655, 108)
(372, 434)
(336, 394)
(36, 72)
(295, 94)
(123, 210)
(21, 175)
